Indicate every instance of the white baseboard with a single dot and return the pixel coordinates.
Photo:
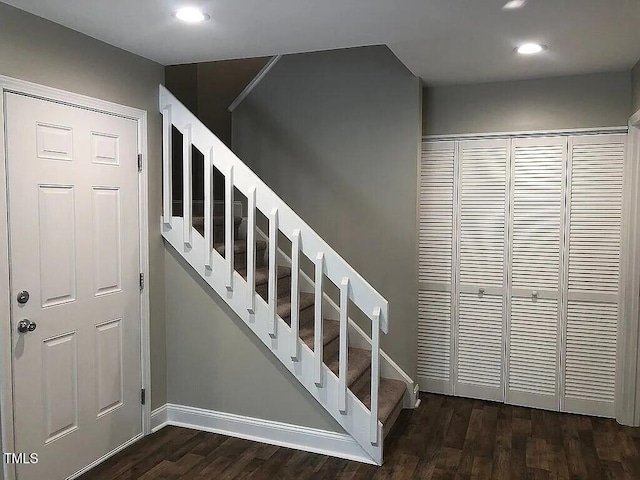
(312, 440)
(159, 418)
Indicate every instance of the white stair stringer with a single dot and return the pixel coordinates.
(356, 419)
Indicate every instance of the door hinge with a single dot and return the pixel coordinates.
(139, 162)
(141, 281)
(142, 396)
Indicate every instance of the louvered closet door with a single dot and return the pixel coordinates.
(435, 258)
(596, 170)
(481, 272)
(536, 235)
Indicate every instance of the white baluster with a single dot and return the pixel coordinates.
(228, 226)
(295, 294)
(375, 373)
(318, 343)
(208, 208)
(187, 194)
(251, 250)
(273, 271)
(344, 344)
(167, 161)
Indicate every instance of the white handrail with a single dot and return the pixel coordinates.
(363, 295)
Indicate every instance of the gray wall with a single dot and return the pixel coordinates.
(335, 135)
(40, 51)
(636, 87)
(216, 362)
(583, 101)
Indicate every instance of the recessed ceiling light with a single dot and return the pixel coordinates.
(191, 15)
(530, 48)
(514, 4)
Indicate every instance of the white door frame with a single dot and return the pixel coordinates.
(13, 85)
(628, 387)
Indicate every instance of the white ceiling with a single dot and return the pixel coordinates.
(442, 41)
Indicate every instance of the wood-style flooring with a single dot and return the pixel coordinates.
(445, 438)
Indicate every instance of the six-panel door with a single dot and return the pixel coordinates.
(74, 241)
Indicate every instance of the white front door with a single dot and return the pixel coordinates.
(74, 247)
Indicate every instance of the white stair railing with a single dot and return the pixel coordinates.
(240, 294)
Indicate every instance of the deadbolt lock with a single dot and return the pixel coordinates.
(23, 297)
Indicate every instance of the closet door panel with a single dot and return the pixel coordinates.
(436, 226)
(591, 357)
(481, 269)
(479, 366)
(595, 218)
(436, 212)
(537, 213)
(533, 353)
(434, 341)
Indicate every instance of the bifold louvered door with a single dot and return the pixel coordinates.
(479, 321)
(436, 227)
(595, 216)
(519, 270)
(536, 237)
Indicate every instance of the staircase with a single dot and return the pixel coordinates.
(273, 292)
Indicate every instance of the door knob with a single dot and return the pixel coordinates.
(26, 326)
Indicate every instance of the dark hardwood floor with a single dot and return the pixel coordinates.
(445, 438)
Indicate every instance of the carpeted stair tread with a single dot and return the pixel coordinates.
(284, 304)
(262, 274)
(390, 393)
(218, 221)
(240, 246)
(359, 360)
(330, 331)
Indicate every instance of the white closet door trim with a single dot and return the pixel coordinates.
(526, 134)
(627, 395)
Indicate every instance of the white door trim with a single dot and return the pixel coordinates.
(8, 84)
(627, 386)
